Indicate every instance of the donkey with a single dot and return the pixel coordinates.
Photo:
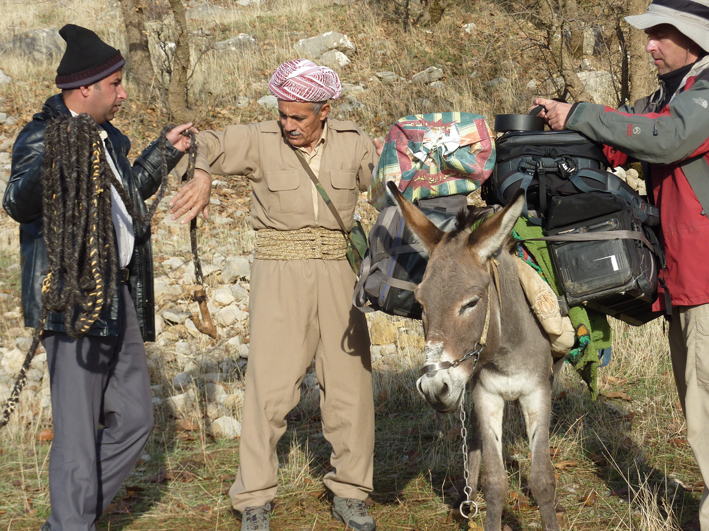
(479, 328)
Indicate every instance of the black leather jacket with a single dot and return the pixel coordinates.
(23, 201)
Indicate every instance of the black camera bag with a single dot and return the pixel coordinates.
(604, 255)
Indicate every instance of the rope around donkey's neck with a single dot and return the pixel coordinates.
(78, 236)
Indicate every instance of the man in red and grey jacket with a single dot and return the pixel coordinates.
(669, 132)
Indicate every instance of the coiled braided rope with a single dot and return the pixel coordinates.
(78, 229)
(302, 244)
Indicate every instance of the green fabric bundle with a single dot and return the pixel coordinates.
(592, 328)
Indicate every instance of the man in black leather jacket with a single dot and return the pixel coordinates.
(101, 378)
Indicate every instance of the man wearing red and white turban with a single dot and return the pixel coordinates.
(301, 288)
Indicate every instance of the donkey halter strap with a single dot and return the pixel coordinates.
(431, 368)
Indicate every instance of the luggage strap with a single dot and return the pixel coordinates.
(597, 236)
(643, 209)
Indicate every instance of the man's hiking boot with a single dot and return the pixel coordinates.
(256, 518)
(353, 513)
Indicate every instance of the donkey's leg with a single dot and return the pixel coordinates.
(536, 407)
(489, 408)
(475, 453)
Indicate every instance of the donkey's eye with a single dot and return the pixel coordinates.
(469, 305)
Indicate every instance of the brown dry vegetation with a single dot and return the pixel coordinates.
(622, 462)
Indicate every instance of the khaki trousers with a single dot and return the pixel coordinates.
(300, 309)
(689, 348)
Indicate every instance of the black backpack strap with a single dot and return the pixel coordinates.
(596, 236)
(643, 209)
(524, 178)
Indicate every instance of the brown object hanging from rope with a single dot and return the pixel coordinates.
(205, 324)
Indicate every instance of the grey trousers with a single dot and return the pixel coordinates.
(95, 381)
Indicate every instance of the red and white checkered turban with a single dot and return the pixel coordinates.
(303, 81)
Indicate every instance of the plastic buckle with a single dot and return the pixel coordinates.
(566, 168)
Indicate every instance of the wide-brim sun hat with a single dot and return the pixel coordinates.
(690, 17)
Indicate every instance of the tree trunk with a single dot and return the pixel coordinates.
(139, 64)
(177, 91)
(554, 24)
(640, 69)
(576, 29)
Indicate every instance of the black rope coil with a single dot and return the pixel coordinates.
(82, 257)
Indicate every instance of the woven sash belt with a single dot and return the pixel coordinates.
(302, 244)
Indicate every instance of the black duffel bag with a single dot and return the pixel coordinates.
(395, 262)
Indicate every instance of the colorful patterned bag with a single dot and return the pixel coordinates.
(434, 155)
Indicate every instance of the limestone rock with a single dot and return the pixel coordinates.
(310, 381)
(429, 75)
(387, 77)
(347, 89)
(240, 293)
(39, 45)
(12, 361)
(236, 267)
(334, 59)
(225, 427)
(227, 366)
(205, 11)
(593, 42)
(215, 411)
(315, 47)
(181, 381)
(382, 351)
(184, 404)
(175, 316)
(243, 41)
(4, 78)
(229, 315)
(411, 341)
(349, 104)
(244, 351)
(224, 296)
(215, 393)
(234, 342)
(599, 85)
(24, 343)
(382, 331)
(269, 102)
(212, 377)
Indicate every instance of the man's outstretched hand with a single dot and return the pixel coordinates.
(192, 198)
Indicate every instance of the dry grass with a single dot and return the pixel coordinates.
(622, 463)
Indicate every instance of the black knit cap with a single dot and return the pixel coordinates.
(87, 58)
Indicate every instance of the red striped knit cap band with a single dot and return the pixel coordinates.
(303, 81)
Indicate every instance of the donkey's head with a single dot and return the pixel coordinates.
(461, 314)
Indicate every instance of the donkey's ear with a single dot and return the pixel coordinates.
(423, 228)
(489, 238)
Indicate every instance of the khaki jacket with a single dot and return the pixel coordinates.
(282, 197)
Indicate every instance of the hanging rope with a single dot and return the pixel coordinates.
(78, 229)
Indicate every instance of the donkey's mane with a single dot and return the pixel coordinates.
(466, 218)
